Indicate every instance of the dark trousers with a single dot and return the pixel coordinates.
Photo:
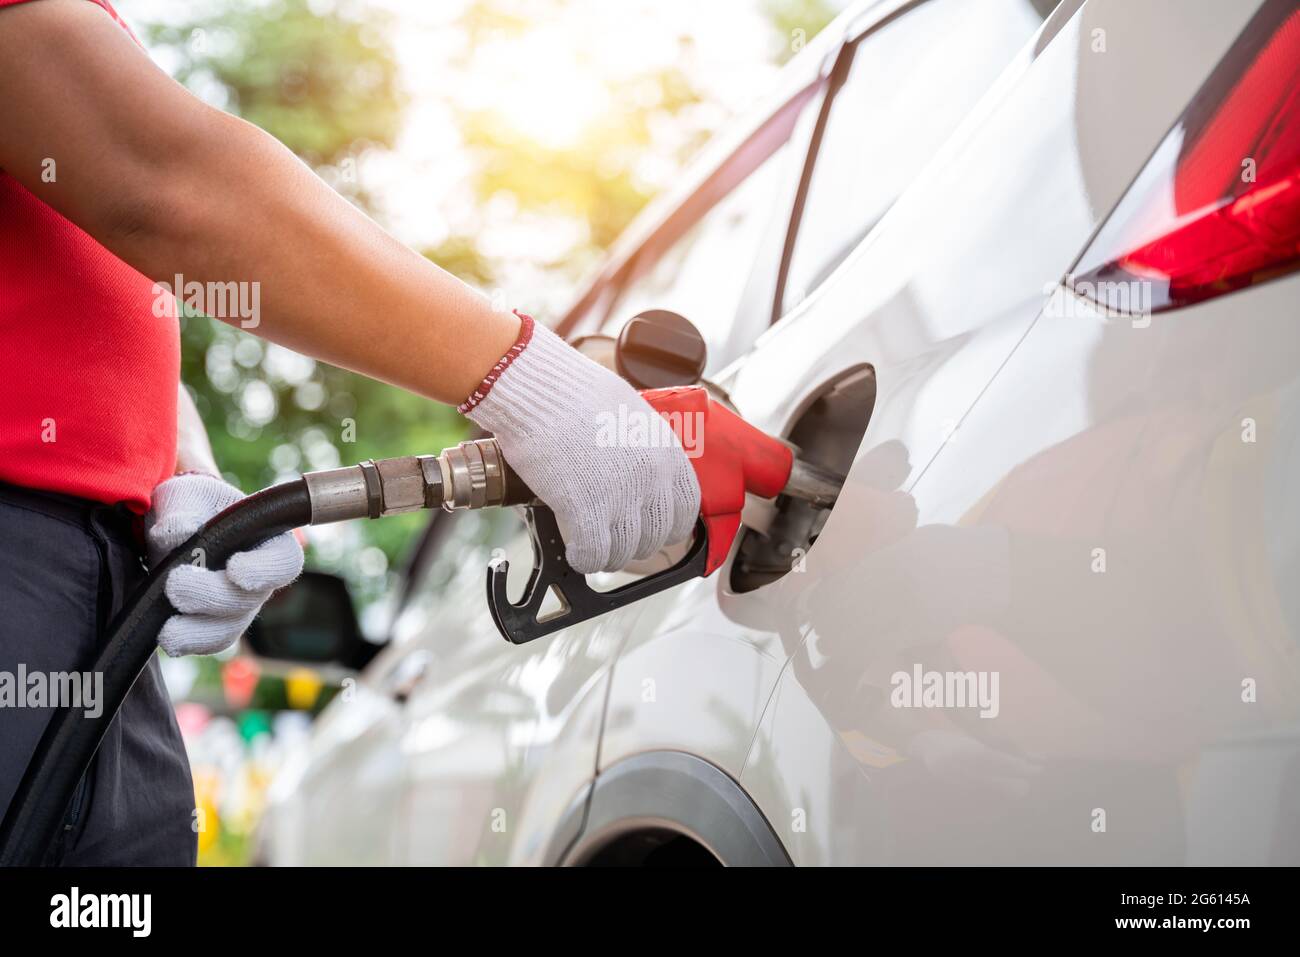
(66, 567)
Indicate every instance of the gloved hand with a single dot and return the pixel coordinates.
(216, 606)
(608, 465)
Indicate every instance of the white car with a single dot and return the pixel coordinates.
(1027, 274)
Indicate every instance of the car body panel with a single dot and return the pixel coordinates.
(499, 738)
(735, 640)
(1120, 684)
(936, 308)
(453, 746)
(1097, 433)
(352, 761)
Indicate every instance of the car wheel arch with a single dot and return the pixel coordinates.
(672, 792)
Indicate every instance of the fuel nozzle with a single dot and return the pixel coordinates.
(472, 474)
(733, 459)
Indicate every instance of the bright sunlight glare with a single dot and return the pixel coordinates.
(549, 99)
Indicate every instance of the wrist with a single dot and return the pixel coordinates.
(495, 334)
(541, 383)
(522, 339)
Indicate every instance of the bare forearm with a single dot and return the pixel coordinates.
(173, 186)
(331, 283)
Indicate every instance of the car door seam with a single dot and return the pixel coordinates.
(609, 691)
(758, 725)
(979, 395)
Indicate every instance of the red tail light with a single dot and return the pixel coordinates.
(1218, 206)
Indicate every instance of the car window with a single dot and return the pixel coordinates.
(704, 262)
(703, 275)
(906, 87)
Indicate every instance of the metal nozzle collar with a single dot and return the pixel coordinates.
(470, 475)
(473, 475)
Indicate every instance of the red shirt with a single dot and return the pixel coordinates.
(88, 372)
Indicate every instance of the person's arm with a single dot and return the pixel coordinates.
(171, 185)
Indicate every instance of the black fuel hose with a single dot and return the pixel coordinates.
(40, 804)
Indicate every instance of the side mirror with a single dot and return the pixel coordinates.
(311, 621)
(658, 348)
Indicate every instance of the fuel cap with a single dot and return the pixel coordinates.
(659, 348)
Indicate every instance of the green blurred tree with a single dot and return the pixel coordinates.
(320, 76)
(593, 181)
(795, 22)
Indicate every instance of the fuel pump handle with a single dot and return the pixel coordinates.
(731, 458)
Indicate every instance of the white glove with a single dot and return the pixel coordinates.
(608, 465)
(215, 606)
